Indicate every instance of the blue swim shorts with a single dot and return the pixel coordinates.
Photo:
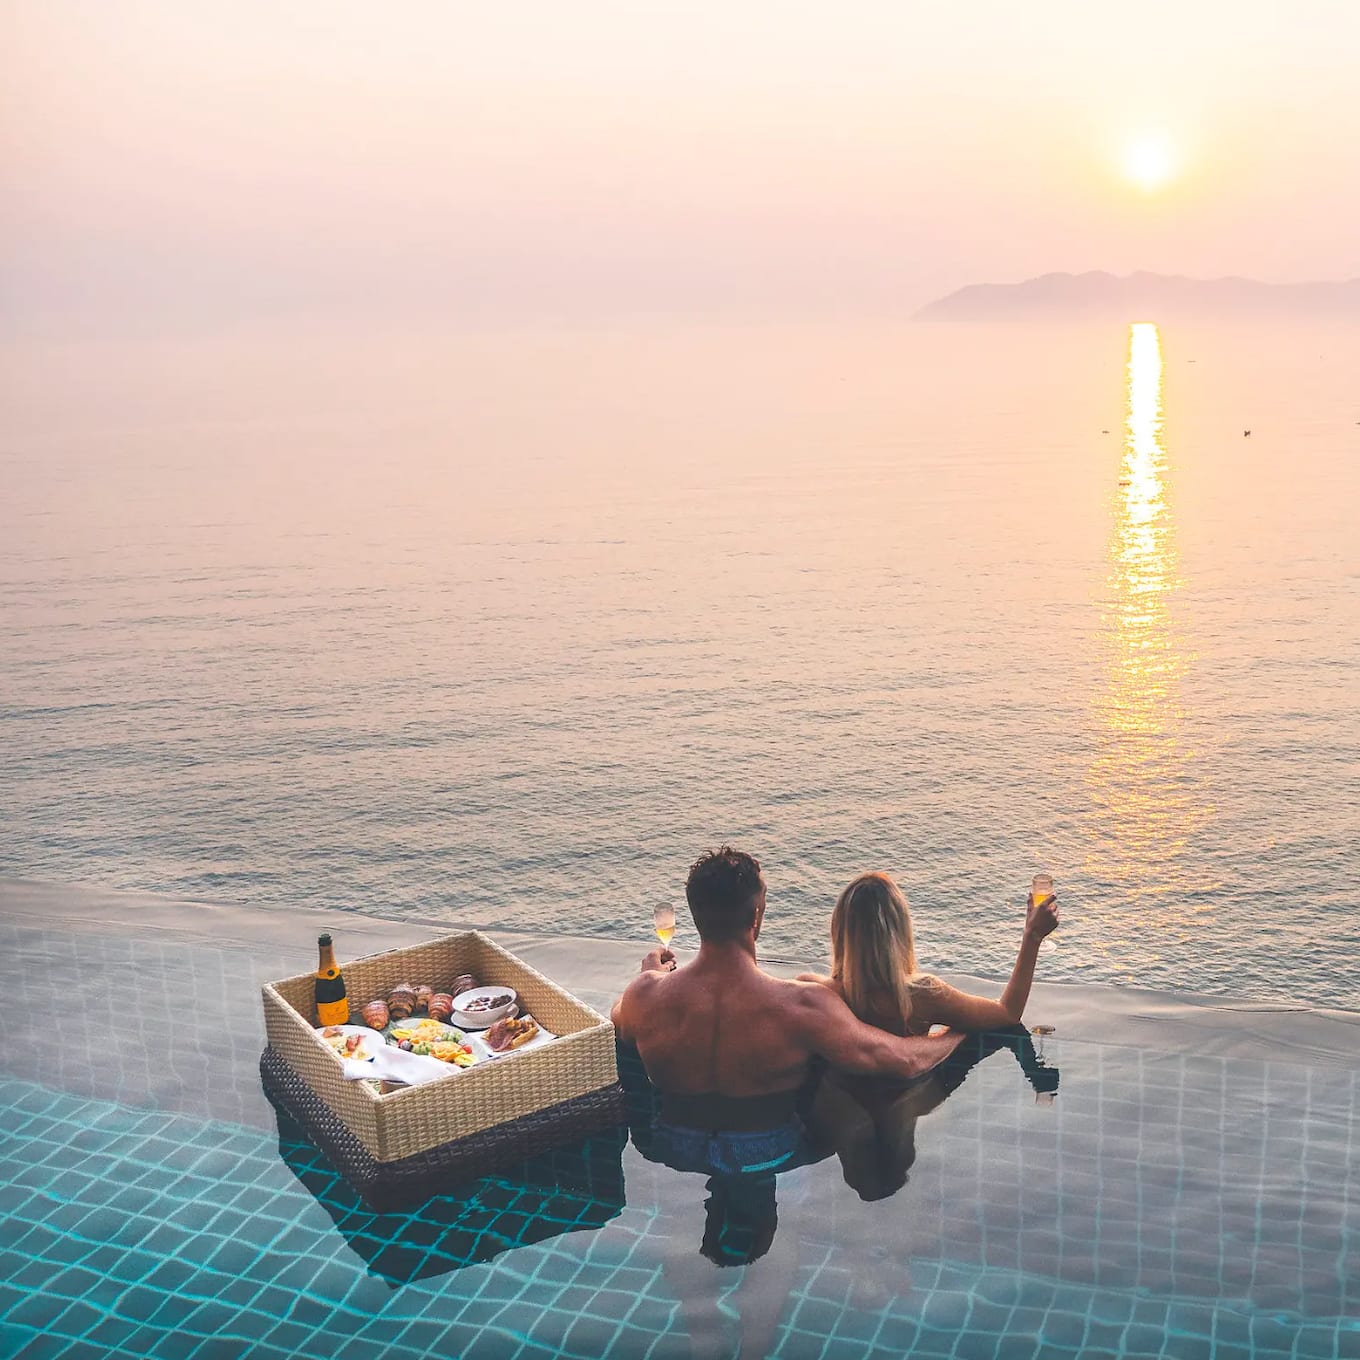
(718, 1152)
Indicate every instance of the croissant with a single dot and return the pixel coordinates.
(441, 1007)
(462, 984)
(423, 995)
(376, 1015)
(401, 1001)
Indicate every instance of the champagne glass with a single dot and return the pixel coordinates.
(663, 921)
(1039, 889)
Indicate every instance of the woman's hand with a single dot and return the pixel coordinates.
(658, 961)
(1041, 919)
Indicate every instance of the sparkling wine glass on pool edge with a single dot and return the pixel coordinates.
(1040, 890)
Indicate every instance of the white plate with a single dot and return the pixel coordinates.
(372, 1039)
(542, 1037)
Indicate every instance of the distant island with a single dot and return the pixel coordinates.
(1141, 295)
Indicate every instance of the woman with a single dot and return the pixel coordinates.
(871, 1124)
(873, 965)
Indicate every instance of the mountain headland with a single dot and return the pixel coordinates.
(1129, 296)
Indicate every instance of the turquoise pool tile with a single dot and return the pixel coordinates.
(126, 1266)
(78, 1319)
(653, 1315)
(935, 1344)
(858, 1325)
(946, 1309)
(898, 1334)
(1013, 1346)
(37, 1309)
(815, 1316)
(175, 1344)
(230, 1256)
(311, 1312)
(1064, 1330)
(222, 1348)
(1027, 1320)
(14, 1340)
(842, 1348)
(289, 1337)
(38, 1346)
(74, 1282)
(139, 1303)
(357, 1348)
(800, 1345)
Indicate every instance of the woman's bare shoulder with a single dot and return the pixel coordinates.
(821, 978)
(925, 982)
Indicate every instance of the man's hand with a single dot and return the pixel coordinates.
(1041, 919)
(658, 961)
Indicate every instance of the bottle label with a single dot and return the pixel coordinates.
(333, 1012)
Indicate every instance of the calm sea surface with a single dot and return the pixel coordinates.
(506, 627)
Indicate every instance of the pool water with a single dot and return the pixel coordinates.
(1091, 1200)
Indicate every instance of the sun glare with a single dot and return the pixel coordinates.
(1148, 162)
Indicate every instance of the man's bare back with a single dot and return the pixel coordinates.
(722, 1025)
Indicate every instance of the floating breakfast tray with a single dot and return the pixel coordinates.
(397, 1146)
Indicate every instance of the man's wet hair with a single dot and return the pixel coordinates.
(721, 891)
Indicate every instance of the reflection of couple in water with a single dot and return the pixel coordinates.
(755, 1075)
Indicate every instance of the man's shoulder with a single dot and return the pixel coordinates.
(644, 982)
(800, 997)
(639, 1002)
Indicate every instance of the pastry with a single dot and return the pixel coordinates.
(376, 1015)
(441, 1007)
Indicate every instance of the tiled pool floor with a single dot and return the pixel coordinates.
(1168, 1202)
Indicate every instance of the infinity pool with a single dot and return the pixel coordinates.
(1094, 1199)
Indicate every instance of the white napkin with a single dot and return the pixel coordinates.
(397, 1064)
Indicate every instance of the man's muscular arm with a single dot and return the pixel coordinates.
(832, 1031)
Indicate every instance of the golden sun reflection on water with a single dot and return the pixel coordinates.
(1145, 801)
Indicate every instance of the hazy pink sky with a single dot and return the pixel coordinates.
(173, 159)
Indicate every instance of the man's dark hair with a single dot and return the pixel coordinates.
(721, 891)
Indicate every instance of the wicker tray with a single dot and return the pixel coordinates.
(420, 1119)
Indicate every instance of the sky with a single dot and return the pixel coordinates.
(178, 162)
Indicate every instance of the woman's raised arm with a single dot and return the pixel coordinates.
(945, 1005)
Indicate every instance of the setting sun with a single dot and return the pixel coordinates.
(1147, 162)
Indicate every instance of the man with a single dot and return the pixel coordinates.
(728, 1046)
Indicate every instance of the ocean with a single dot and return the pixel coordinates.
(505, 626)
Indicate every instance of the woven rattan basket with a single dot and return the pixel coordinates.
(472, 1120)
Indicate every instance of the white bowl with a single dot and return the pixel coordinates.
(482, 1019)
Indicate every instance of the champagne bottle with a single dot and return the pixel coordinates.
(332, 1004)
